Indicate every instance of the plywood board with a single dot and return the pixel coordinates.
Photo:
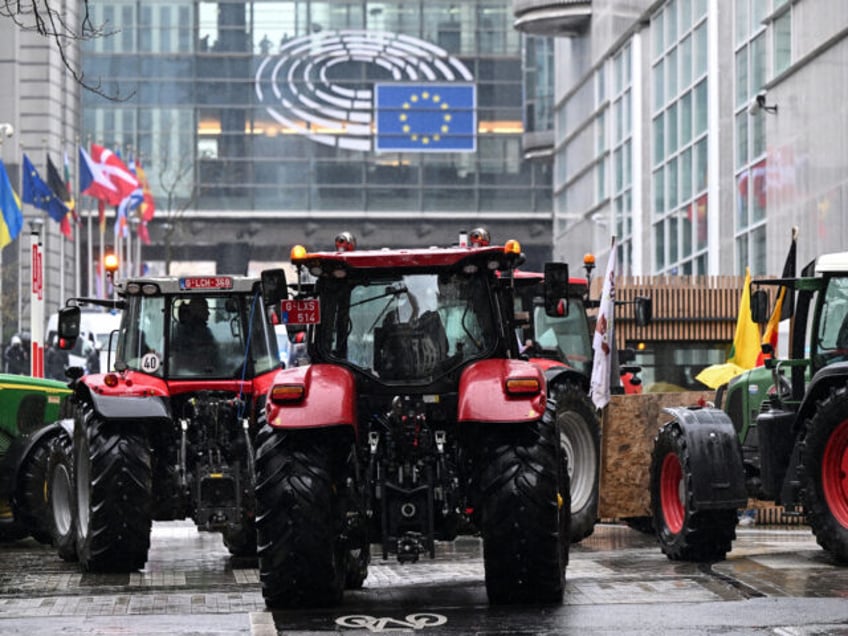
(629, 425)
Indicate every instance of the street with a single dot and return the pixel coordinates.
(775, 581)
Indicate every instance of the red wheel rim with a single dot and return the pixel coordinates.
(672, 507)
(835, 473)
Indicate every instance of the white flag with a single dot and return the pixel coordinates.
(603, 341)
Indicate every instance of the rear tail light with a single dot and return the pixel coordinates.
(522, 386)
(287, 393)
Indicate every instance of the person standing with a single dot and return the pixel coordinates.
(15, 358)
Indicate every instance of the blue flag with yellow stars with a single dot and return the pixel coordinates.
(38, 193)
(426, 117)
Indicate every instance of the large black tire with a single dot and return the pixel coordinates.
(114, 493)
(684, 534)
(580, 439)
(31, 495)
(61, 497)
(302, 560)
(824, 456)
(522, 512)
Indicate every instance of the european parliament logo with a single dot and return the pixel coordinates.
(425, 117)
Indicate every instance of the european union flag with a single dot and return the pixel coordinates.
(426, 117)
(38, 193)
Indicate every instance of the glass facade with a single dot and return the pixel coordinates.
(622, 154)
(538, 84)
(679, 106)
(751, 73)
(268, 105)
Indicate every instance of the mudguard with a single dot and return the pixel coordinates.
(483, 396)
(562, 374)
(715, 458)
(329, 398)
(130, 409)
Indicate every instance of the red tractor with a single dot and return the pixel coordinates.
(561, 345)
(414, 407)
(170, 433)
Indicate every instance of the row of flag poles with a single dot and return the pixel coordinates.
(103, 175)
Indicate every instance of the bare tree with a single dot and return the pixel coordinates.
(50, 19)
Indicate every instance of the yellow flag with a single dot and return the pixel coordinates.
(746, 342)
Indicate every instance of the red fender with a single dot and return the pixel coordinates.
(483, 395)
(328, 398)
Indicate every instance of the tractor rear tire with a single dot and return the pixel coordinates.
(522, 516)
(580, 439)
(61, 497)
(684, 534)
(302, 561)
(31, 499)
(824, 456)
(114, 493)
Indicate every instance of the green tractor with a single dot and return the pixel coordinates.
(26, 404)
(777, 433)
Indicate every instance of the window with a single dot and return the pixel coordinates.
(680, 130)
(752, 73)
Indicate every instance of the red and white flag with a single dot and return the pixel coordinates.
(603, 342)
(104, 176)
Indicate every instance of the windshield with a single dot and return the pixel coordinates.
(196, 336)
(832, 339)
(567, 336)
(408, 328)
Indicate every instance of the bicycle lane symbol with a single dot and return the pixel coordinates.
(388, 624)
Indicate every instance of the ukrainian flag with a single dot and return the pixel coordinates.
(11, 217)
(426, 117)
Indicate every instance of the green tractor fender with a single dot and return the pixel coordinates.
(717, 476)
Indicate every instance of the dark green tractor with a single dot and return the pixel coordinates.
(777, 433)
(26, 405)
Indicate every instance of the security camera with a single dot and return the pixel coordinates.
(757, 103)
(7, 129)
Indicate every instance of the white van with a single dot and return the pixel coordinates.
(96, 327)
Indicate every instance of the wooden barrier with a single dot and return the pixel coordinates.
(629, 425)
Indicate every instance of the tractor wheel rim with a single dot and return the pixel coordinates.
(835, 473)
(671, 478)
(62, 489)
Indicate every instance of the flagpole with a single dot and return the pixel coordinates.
(100, 269)
(90, 255)
(77, 248)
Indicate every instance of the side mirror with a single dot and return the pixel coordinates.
(274, 287)
(69, 327)
(556, 289)
(759, 307)
(644, 311)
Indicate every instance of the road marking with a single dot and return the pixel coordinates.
(388, 624)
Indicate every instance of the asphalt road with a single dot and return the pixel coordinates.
(775, 581)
